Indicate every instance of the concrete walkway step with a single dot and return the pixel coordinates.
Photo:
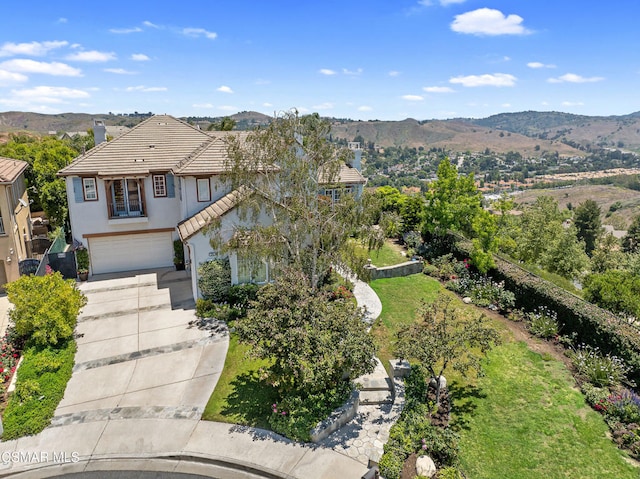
(375, 383)
(376, 397)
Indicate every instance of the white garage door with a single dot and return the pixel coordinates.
(129, 252)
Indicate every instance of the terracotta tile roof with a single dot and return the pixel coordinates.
(348, 174)
(11, 169)
(204, 217)
(157, 144)
(211, 159)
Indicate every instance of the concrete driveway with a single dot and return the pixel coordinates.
(138, 355)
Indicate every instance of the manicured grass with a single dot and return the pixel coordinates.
(240, 397)
(556, 279)
(388, 255)
(525, 419)
(401, 298)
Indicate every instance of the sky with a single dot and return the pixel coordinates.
(363, 60)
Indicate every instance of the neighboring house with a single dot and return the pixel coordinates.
(131, 197)
(15, 219)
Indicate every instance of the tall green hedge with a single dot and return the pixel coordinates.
(592, 325)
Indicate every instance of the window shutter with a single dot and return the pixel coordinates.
(77, 189)
(171, 188)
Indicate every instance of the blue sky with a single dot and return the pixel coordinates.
(377, 59)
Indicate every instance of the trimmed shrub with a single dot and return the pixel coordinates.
(206, 308)
(590, 324)
(214, 279)
(45, 308)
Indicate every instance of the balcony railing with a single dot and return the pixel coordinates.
(130, 209)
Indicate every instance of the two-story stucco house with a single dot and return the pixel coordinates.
(131, 197)
(15, 219)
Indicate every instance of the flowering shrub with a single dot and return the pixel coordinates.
(8, 359)
(341, 292)
(543, 322)
(599, 369)
(621, 407)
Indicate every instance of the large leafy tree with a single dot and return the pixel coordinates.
(588, 225)
(286, 165)
(444, 338)
(453, 201)
(312, 340)
(46, 156)
(540, 225)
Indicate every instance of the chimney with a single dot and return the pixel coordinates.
(357, 151)
(99, 132)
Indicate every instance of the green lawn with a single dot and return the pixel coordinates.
(524, 418)
(240, 397)
(400, 297)
(387, 255)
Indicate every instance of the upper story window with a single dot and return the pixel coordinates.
(125, 197)
(336, 193)
(204, 189)
(159, 186)
(89, 189)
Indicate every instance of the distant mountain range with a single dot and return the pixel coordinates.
(525, 132)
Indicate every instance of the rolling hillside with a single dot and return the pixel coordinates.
(525, 132)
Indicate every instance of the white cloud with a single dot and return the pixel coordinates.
(444, 3)
(326, 71)
(438, 89)
(495, 79)
(147, 23)
(540, 65)
(487, 21)
(572, 103)
(199, 32)
(47, 68)
(140, 57)
(120, 71)
(365, 108)
(352, 72)
(92, 56)
(412, 97)
(224, 89)
(227, 108)
(506, 105)
(35, 49)
(50, 94)
(8, 78)
(573, 78)
(394, 73)
(202, 105)
(146, 89)
(323, 106)
(62, 20)
(267, 104)
(124, 31)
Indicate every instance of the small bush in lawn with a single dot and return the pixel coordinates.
(599, 369)
(627, 436)
(430, 270)
(449, 473)
(543, 322)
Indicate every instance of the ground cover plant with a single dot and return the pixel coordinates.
(45, 313)
(524, 417)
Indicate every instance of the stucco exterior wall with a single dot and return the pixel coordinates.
(17, 229)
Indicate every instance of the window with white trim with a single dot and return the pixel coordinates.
(204, 191)
(159, 186)
(89, 189)
(336, 193)
(251, 270)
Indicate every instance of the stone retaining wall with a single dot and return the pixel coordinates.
(337, 419)
(403, 269)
